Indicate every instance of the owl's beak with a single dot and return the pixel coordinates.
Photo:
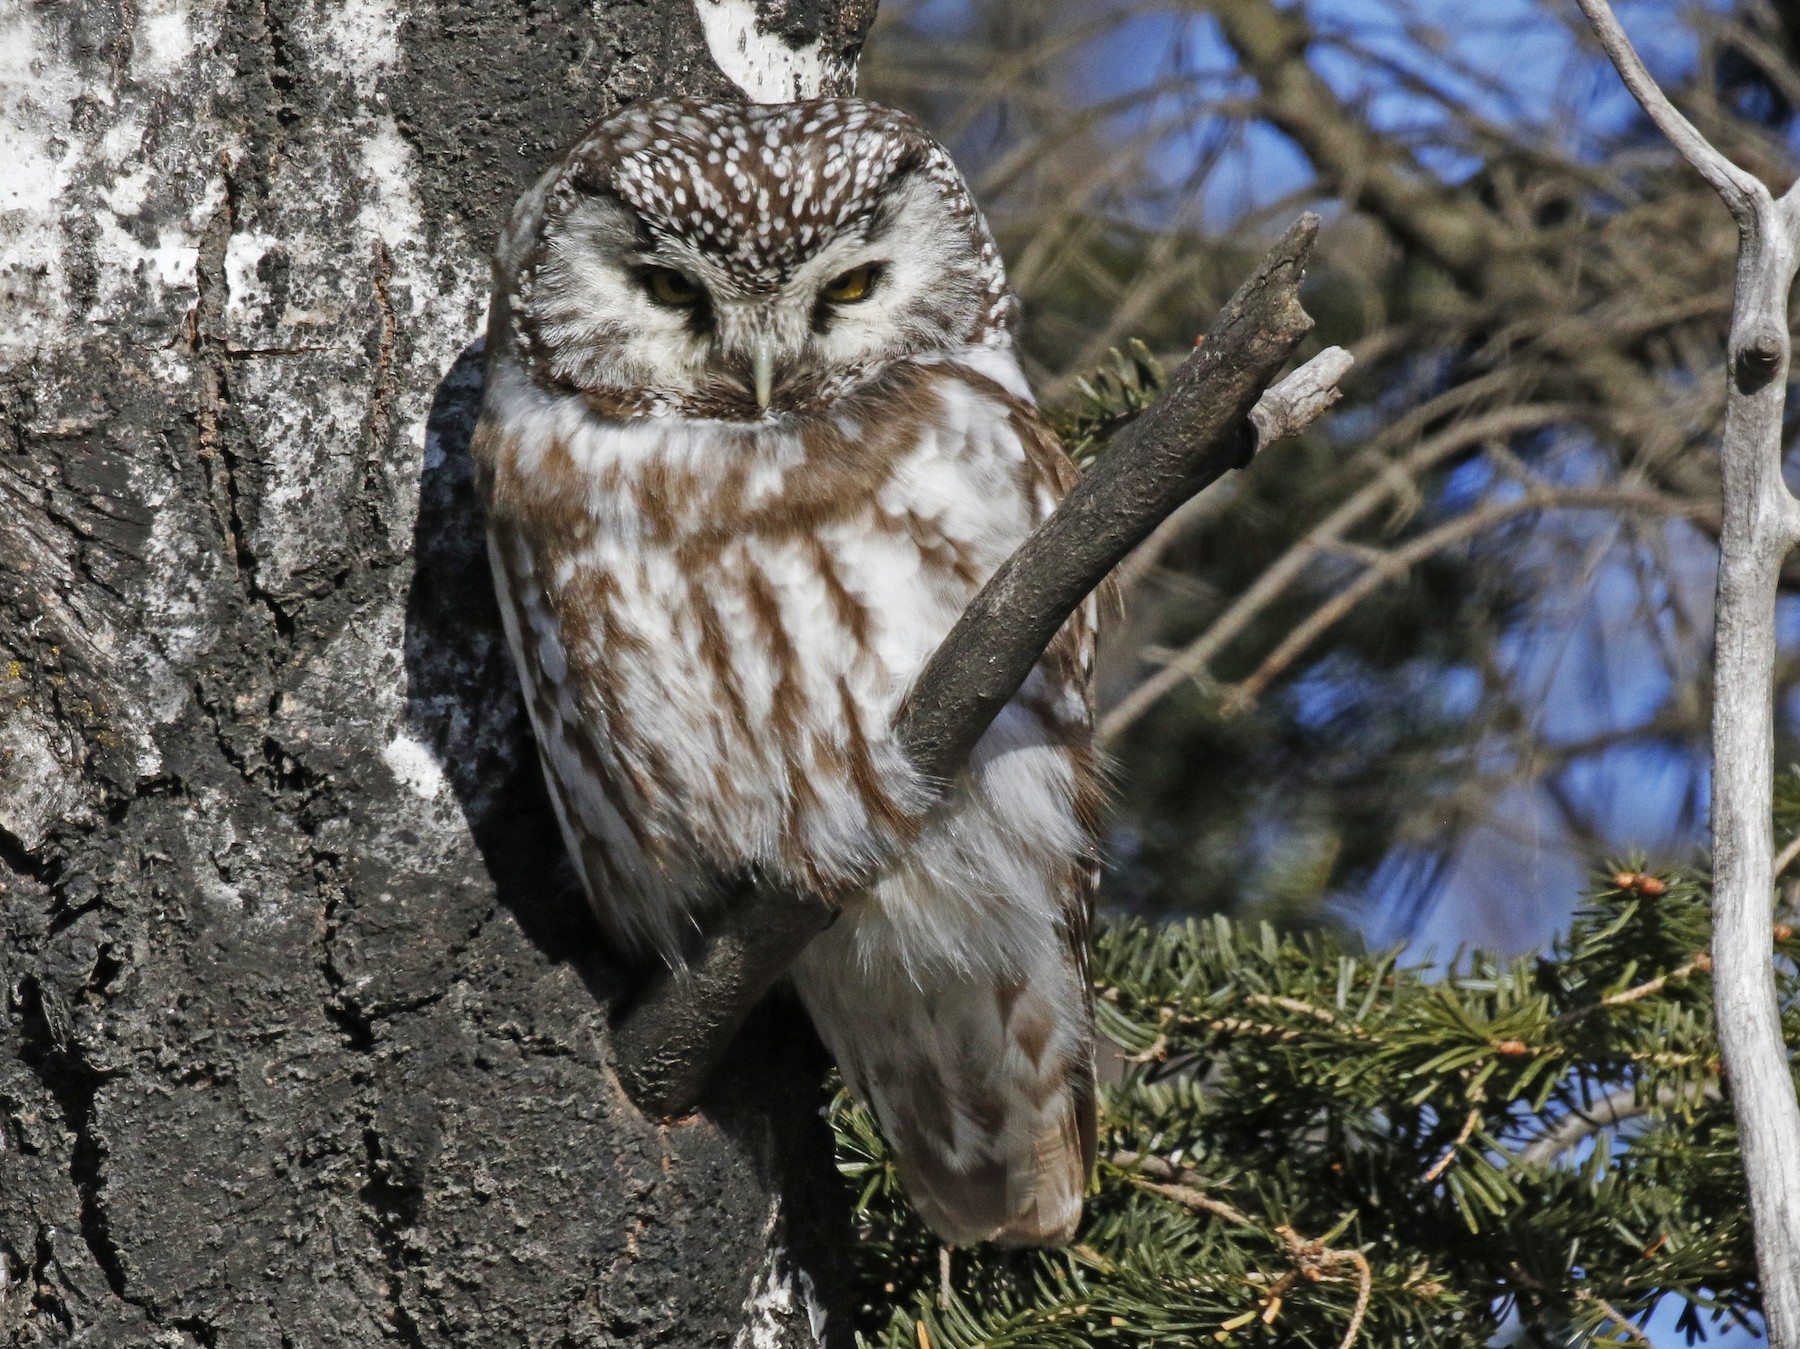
(762, 368)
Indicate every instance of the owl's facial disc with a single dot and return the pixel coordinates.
(747, 263)
(900, 282)
(771, 345)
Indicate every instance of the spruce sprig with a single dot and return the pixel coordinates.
(1106, 400)
(1310, 1145)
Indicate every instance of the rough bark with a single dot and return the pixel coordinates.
(303, 1034)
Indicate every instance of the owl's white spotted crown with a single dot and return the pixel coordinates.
(764, 184)
(743, 262)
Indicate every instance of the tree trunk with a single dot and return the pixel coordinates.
(305, 1035)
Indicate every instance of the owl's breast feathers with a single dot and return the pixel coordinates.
(717, 621)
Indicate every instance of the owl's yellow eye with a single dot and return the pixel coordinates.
(670, 287)
(852, 286)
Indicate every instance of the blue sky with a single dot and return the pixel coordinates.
(1510, 60)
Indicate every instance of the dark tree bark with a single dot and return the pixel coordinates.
(304, 1034)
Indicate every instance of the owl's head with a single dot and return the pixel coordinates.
(741, 261)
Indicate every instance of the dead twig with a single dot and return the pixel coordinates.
(1442, 1164)
(1785, 858)
(1700, 964)
(1288, 408)
(1190, 1198)
(1617, 1317)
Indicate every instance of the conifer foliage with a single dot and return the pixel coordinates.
(1308, 1145)
(1108, 398)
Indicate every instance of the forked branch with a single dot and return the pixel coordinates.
(1739, 189)
(672, 1037)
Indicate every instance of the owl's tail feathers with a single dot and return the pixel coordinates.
(1026, 1191)
(985, 1093)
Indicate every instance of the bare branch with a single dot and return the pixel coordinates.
(1759, 525)
(1187, 439)
(1370, 169)
(1389, 566)
(1609, 1111)
(1700, 964)
(1194, 659)
(1617, 1317)
(1741, 191)
(1288, 408)
(1365, 1289)
(670, 1040)
(1377, 173)
(1436, 1170)
(1285, 410)
(1785, 858)
(1190, 1198)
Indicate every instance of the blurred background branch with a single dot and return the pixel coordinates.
(1436, 652)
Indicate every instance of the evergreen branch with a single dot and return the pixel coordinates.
(1292, 1086)
(1313, 1260)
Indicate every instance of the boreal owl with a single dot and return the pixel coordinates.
(753, 435)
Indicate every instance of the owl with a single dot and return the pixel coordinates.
(753, 435)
